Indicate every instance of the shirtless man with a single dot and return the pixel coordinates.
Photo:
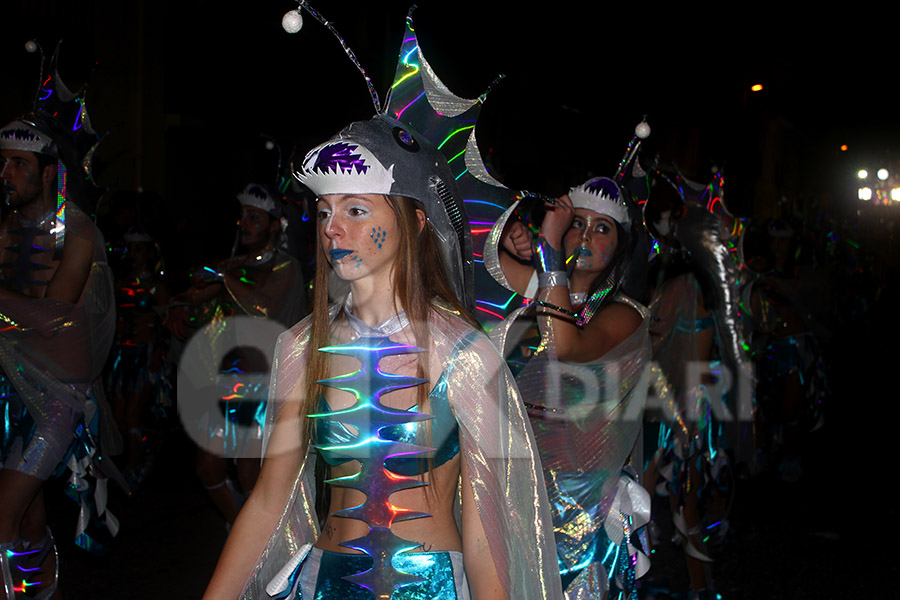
(57, 319)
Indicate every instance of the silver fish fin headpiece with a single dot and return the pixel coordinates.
(420, 144)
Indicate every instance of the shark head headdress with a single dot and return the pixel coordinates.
(421, 145)
(58, 126)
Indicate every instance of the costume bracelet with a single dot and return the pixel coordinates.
(548, 279)
(565, 311)
(547, 258)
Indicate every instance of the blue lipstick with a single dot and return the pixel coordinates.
(339, 253)
(582, 251)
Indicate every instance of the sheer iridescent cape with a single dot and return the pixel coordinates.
(496, 442)
(56, 350)
(587, 419)
(673, 334)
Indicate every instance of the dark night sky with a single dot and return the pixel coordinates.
(586, 75)
(208, 80)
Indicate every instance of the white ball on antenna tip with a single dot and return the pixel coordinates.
(292, 21)
(642, 130)
(31, 46)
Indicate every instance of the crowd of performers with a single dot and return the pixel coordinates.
(407, 453)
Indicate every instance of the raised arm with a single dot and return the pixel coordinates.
(573, 343)
(607, 329)
(515, 255)
(64, 290)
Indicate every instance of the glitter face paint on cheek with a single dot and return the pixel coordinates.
(378, 236)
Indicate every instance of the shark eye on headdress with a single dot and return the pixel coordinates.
(405, 139)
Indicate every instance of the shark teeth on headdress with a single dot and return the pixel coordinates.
(341, 167)
(601, 195)
(23, 136)
(256, 196)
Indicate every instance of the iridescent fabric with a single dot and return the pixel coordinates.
(52, 352)
(496, 443)
(587, 420)
(323, 576)
(690, 429)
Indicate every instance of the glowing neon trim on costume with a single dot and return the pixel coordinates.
(408, 63)
(453, 133)
(490, 312)
(48, 90)
(402, 110)
(77, 125)
(504, 306)
(486, 203)
(370, 417)
(60, 228)
(457, 155)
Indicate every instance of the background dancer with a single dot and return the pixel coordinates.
(137, 374)
(262, 281)
(582, 371)
(58, 319)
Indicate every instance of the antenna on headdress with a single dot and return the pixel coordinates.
(641, 132)
(292, 22)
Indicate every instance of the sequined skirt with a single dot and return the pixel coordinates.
(35, 446)
(323, 572)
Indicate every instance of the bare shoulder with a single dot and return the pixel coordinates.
(615, 323)
(71, 276)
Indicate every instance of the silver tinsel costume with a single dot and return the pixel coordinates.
(587, 420)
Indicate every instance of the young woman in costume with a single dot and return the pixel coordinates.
(697, 334)
(429, 458)
(582, 372)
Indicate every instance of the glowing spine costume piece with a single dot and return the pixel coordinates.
(370, 416)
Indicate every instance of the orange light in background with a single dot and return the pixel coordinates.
(756, 87)
(844, 147)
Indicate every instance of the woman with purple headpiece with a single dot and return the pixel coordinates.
(580, 352)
